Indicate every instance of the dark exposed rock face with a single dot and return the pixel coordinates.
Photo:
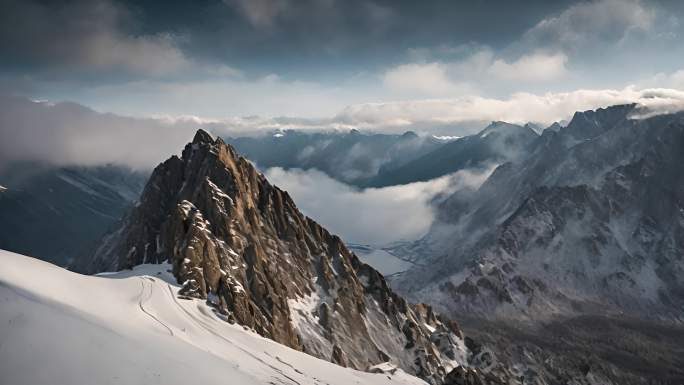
(464, 376)
(591, 221)
(588, 226)
(240, 242)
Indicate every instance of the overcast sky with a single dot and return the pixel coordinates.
(324, 58)
(127, 82)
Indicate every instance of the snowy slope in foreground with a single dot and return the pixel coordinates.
(58, 327)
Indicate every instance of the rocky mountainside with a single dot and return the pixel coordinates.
(240, 242)
(589, 224)
(56, 213)
(593, 217)
(499, 142)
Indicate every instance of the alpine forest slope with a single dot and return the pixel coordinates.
(583, 239)
(239, 242)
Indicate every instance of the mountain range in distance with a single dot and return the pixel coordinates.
(574, 252)
(58, 212)
(379, 160)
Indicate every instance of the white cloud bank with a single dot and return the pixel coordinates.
(534, 67)
(428, 78)
(373, 215)
(480, 69)
(71, 134)
(519, 108)
(68, 133)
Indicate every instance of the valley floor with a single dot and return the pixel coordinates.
(58, 327)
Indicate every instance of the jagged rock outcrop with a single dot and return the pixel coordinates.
(241, 243)
(588, 228)
(590, 221)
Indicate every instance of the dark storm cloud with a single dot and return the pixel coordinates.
(386, 60)
(316, 37)
(162, 38)
(83, 38)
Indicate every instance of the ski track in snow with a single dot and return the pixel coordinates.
(208, 328)
(141, 301)
(130, 327)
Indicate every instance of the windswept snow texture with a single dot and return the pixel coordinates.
(131, 328)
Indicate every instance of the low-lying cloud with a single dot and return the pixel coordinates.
(373, 215)
(68, 133)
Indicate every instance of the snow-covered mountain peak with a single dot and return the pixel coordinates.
(233, 238)
(589, 124)
(505, 130)
(202, 137)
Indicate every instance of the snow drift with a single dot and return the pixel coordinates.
(59, 327)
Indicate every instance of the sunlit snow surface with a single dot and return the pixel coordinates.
(58, 327)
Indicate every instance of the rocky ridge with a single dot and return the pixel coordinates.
(586, 230)
(240, 242)
(592, 218)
